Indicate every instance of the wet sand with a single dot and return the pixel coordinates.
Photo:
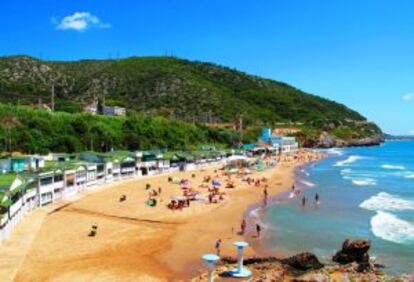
(136, 242)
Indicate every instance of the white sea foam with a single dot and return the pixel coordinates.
(335, 151)
(307, 183)
(349, 160)
(364, 181)
(387, 202)
(394, 167)
(391, 228)
(346, 171)
(409, 175)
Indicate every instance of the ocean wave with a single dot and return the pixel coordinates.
(364, 181)
(395, 167)
(346, 171)
(307, 183)
(391, 228)
(335, 151)
(387, 202)
(349, 160)
(409, 175)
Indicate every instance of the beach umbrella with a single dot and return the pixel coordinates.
(216, 183)
(178, 198)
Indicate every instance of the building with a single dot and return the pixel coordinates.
(284, 144)
(21, 163)
(91, 108)
(113, 111)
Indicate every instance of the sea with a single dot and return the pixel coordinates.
(364, 193)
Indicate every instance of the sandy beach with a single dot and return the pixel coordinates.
(136, 242)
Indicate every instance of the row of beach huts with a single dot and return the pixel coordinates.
(32, 181)
(29, 182)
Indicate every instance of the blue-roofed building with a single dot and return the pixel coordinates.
(284, 144)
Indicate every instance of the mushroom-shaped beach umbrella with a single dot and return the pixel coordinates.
(240, 271)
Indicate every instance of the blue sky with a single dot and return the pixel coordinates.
(359, 53)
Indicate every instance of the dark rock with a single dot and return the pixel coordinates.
(249, 260)
(353, 250)
(304, 261)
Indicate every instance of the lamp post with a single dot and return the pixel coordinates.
(240, 271)
(211, 260)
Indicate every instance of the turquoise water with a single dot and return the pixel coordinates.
(365, 192)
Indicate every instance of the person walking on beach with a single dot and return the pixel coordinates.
(218, 247)
(265, 195)
(258, 230)
(303, 201)
(243, 227)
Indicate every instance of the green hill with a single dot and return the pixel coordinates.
(189, 90)
(178, 89)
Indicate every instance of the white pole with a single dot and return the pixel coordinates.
(211, 260)
(240, 259)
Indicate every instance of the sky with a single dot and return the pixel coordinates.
(356, 52)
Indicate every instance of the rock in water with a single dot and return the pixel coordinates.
(304, 261)
(354, 251)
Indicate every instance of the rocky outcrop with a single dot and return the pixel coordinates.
(327, 140)
(304, 261)
(354, 251)
(305, 267)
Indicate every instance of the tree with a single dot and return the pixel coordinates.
(9, 123)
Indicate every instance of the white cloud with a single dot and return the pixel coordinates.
(79, 21)
(408, 97)
(411, 132)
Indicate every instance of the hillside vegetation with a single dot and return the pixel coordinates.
(39, 131)
(182, 90)
(164, 85)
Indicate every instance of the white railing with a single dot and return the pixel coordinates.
(59, 185)
(46, 188)
(30, 194)
(15, 207)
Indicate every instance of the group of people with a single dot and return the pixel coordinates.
(243, 228)
(179, 204)
(304, 200)
(153, 196)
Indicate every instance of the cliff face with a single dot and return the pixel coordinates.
(327, 140)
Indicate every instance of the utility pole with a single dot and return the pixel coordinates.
(241, 129)
(53, 97)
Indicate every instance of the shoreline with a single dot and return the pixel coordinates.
(139, 242)
(256, 211)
